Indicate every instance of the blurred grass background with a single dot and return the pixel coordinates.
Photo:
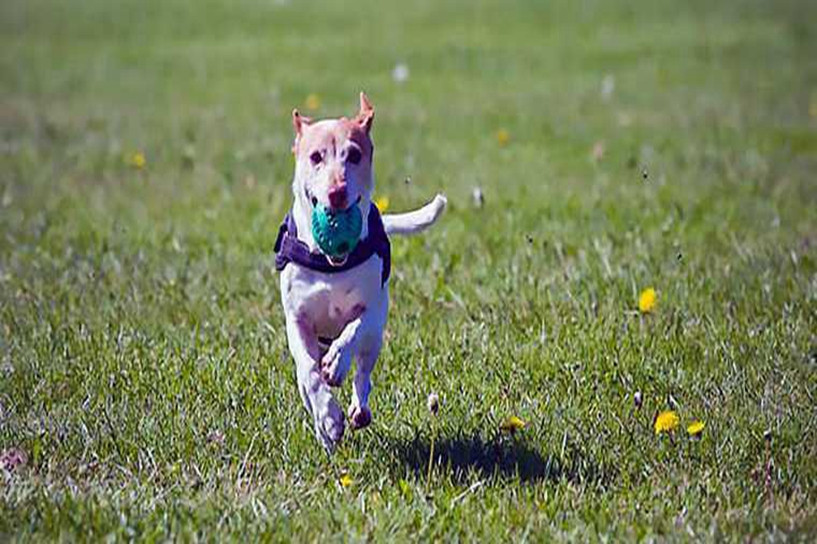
(619, 146)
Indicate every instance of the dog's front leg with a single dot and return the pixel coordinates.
(326, 414)
(359, 413)
(338, 359)
(362, 337)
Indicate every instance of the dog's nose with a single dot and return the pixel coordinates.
(338, 196)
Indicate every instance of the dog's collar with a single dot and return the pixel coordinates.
(289, 249)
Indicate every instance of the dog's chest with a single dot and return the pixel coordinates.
(331, 300)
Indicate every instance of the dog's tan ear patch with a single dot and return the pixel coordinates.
(298, 123)
(365, 117)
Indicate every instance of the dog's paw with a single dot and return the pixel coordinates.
(330, 427)
(359, 417)
(335, 365)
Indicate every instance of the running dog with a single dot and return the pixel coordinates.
(336, 306)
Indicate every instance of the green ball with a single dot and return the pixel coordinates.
(336, 231)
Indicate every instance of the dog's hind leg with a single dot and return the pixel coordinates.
(326, 414)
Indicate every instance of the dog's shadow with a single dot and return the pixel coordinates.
(504, 457)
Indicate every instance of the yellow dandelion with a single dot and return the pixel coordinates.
(666, 422)
(136, 159)
(503, 136)
(512, 424)
(695, 428)
(382, 203)
(646, 300)
(345, 480)
(313, 102)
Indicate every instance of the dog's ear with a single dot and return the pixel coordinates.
(365, 117)
(299, 122)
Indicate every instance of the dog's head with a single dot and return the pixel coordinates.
(333, 159)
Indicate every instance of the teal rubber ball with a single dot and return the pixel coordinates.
(336, 231)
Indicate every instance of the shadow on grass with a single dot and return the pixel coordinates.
(502, 457)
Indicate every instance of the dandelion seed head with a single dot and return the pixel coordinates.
(478, 197)
(433, 403)
(400, 73)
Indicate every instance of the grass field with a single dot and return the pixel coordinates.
(145, 386)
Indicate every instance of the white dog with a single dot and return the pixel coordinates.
(336, 306)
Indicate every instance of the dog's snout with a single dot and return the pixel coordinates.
(338, 196)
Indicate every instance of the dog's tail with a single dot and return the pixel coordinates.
(416, 221)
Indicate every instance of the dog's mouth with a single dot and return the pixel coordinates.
(340, 259)
(336, 253)
(313, 200)
(337, 261)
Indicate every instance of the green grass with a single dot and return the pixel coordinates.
(143, 365)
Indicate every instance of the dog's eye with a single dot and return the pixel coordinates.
(316, 158)
(353, 155)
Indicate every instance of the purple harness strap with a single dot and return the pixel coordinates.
(288, 249)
